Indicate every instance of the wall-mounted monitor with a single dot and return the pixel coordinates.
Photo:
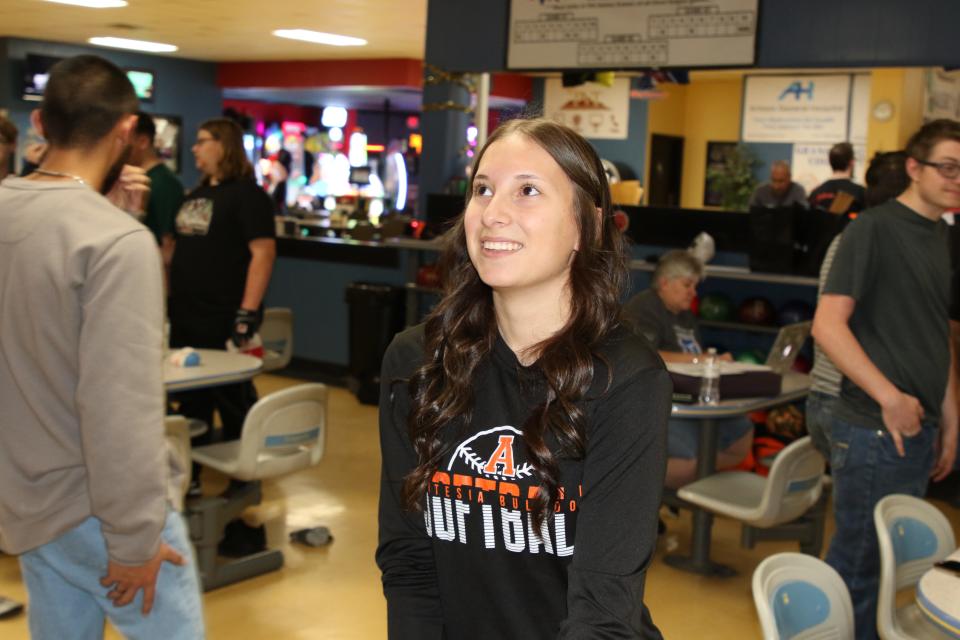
(36, 72)
(143, 83)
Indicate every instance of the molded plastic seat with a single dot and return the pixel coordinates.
(276, 331)
(801, 597)
(912, 534)
(282, 433)
(792, 487)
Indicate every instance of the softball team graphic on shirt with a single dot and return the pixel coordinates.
(486, 492)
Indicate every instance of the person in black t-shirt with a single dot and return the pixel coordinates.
(839, 194)
(222, 260)
(523, 429)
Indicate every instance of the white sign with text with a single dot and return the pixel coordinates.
(796, 109)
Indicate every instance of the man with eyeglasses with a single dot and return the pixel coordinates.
(883, 319)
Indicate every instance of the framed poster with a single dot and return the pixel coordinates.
(591, 109)
(630, 34)
(168, 140)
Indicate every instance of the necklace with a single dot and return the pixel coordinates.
(60, 174)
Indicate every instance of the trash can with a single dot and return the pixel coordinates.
(376, 314)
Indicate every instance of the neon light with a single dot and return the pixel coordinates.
(401, 181)
(375, 148)
(334, 117)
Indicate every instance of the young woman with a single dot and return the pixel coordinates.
(523, 431)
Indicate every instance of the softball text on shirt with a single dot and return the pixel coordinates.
(487, 490)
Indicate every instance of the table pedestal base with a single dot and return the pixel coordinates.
(699, 559)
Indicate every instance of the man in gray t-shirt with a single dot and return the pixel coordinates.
(781, 191)
(883, 321)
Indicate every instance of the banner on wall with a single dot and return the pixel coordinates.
(592, 110)
(600, 34)
(810, 164)
(796, 109)
(859, 109)
(941, 95)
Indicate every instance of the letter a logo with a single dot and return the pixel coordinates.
(502, 458)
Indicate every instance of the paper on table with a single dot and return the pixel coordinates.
(726, 368)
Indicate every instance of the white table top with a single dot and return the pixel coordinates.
(795, 386)
(938, 595)
(217, 367)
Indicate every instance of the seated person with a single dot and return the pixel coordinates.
(839, 194)
(662, 316)
(781, 191)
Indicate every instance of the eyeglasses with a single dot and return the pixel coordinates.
(948, 170)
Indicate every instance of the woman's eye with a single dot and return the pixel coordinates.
(529, 190)
(481, 190)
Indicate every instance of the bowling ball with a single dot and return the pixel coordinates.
(751, 356)
(695, 305)
(715, 306)
(786, 421)
(428, 276)
(795, 311)
(756, 311)
(802, 364)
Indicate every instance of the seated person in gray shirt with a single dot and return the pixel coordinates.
(662, 316)
(781, 191)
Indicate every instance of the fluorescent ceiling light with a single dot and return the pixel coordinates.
(136, 45)
(94, 4)
(319, 37)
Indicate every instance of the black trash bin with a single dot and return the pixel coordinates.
(376, 314)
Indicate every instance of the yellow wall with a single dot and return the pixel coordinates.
(705, 110)
(904, 89)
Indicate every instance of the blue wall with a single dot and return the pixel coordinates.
(315, 291)
(185, 88)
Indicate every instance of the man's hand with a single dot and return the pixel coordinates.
(946, 455)
(127, 580)
(131, 190)
(902, 416)
(244, 326)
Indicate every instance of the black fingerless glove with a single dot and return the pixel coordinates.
(245, 325)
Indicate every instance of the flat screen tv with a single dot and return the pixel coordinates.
(36, 71)
(143, 83)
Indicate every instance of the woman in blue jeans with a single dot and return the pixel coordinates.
(661, 315)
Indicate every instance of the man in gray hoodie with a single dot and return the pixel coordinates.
(83, 462)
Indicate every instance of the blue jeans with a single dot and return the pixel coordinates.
(67, 601)
(683, 436)
(819, 413)
(866, 467)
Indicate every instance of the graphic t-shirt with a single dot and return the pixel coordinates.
(646, 314)
(473, 564)
(823, 196)
(213, 228)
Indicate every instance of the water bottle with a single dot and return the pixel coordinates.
(710, 382)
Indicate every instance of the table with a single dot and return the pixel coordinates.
(217, 367)
(938, 597)
(794, 387)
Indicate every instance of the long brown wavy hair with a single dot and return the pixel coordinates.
(461, 330)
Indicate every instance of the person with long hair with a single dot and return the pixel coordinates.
(223, 255)
(523, 429)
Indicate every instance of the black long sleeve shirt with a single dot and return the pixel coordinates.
(472, 565)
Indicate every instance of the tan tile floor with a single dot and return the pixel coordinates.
(334, 592)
